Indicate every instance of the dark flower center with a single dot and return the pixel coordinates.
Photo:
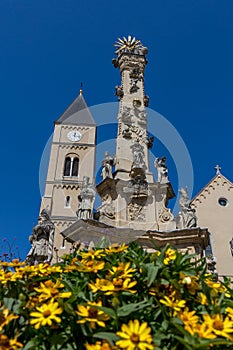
(2, 318)
(46, 313)
(118, 283)
(135, 338)
(92, 312)
(218, 325)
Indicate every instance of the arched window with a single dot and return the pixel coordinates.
(75, 167)
(67, 166)
(67, 202)
(71, 166)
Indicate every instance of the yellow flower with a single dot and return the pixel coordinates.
(90, 266)
(46, 314)
(203, 299)
(115, 248)
(14, 344)
(98, 346)
(169, 255)
(135, 336)
(92, 314)
(204, 331)
(123, 285)
(9, 344)
(13, 263)
(49, 290)
(122, 270)
(189, 320)
(229, 310)
(39, 270)
(221, 327)
(5, 318)
(111, 287)
(190, 282)
(217, 288)
(10, 275)
(173, 303)
(92, 254)
(101, 284)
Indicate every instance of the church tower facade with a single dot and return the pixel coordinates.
(72, 163)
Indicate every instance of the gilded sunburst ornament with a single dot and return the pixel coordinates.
(128, 44)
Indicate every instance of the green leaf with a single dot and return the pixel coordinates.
(32, 344)
(182, 341)
(8, 303)
(107, 311)
(152, 273)
(58, 339)
(111, 337)
(128, 309)
(68, 308)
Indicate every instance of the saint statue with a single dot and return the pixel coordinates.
(160, 165)
(41, 239)
(86, 200)
(186, 216)
(107, 165)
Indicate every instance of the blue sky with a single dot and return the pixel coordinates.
(49, 47)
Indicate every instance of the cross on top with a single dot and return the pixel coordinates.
(217, 168)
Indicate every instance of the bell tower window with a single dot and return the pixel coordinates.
(75, 167)
(67, 202)
(71, 166)
(67, 166)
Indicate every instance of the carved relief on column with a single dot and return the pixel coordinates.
(165, 215)
(138, 156)
(135, 76)
(107, 208)
(136, 211)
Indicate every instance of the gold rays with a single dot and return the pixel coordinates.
(127, 43)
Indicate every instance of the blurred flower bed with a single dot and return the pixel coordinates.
(118, 297)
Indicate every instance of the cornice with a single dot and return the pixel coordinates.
(65, 145)
(67, 186)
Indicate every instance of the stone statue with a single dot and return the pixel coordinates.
(138, 156)
(211, 265)
(41, 239)
(231, 246)
(186, 216)
(146, 100)
(119, 92)
(86, 200)
(107, 165)
(160, 165)
(150, 142)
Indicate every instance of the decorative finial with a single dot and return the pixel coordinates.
(81, 89)
(130, 44)
(217, 168)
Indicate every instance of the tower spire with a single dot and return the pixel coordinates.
(81, 89)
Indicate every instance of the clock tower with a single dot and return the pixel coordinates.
(72, 163)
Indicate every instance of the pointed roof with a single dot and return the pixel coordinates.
(217, 180)
(77, 113)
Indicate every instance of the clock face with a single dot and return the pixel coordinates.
(74, 135)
